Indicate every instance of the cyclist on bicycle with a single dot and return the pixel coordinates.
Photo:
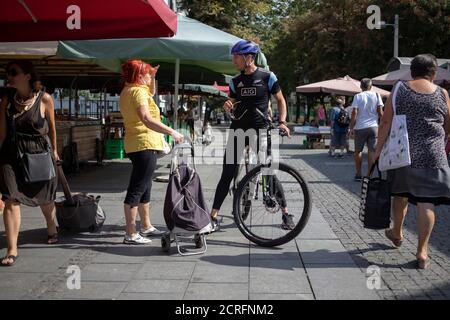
(250, 93)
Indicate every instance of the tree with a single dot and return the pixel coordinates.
(251, 20)
(313, 40)
(325, 39)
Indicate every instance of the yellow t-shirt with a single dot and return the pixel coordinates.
(137, 136)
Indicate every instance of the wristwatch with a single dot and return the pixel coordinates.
(282, 122)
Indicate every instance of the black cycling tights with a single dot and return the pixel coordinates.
(229, 171)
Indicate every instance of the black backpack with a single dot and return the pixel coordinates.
(343, 118)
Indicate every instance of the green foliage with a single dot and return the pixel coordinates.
(250, 20)
(314, 40)
(326, 39)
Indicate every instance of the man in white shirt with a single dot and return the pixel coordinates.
(367, 110)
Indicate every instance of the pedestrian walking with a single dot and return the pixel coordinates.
(367, 109)
(27, 127)
(321, 115)
(426, 182)
(340, 121)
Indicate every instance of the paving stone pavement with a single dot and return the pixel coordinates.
(328, 260)
(337, 197)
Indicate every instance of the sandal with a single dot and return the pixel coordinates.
(10, 257)
(423, 263)
(53, 239)
(397, 242)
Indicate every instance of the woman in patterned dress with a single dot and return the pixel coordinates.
(426, 182)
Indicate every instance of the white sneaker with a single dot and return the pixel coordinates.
(135, 239)
(152, 231)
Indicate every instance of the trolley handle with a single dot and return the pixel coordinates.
(180, 146)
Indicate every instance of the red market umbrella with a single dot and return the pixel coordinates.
(345, 86)
(50, 20)
(225, 89)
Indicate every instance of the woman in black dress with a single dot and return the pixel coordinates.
(30, 111)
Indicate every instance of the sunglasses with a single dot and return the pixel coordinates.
(13, 72)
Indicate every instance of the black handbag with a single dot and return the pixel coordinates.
(35, 167)
(375, 208)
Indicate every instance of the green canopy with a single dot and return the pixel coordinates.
(195, 44)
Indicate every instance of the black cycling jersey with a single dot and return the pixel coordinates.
(253, 91)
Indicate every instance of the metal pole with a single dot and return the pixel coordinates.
(105, 110)
(77, 104)
(175, 100)
(156, 94)
(61, 101)
(307, 109)
(70, 98)
(396, 35)
(322, 102)
(200, 107)
(70, 104)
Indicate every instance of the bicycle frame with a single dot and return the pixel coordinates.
(253, 192)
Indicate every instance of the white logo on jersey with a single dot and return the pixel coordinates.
(240, 85)
(248, 92)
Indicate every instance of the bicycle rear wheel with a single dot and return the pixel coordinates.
(270, 191)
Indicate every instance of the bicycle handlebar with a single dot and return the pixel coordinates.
(281, 132)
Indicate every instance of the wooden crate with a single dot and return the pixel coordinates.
(62, 114)
(63, 134)
(115, 117)
(318, 145)
(85, 138)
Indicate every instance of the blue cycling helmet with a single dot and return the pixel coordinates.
(245, 47)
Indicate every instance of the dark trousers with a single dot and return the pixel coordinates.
(139, 188)
(228, 171)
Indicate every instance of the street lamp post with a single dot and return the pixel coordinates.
(396, 25)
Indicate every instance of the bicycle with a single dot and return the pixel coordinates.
(261, 195)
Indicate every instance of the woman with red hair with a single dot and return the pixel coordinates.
(143, 141)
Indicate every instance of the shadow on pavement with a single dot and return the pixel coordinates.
(113, 177)
(340, 172)
(281, 260)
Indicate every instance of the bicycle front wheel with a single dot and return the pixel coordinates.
(272, 206)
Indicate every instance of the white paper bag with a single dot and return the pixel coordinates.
(395, 153)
